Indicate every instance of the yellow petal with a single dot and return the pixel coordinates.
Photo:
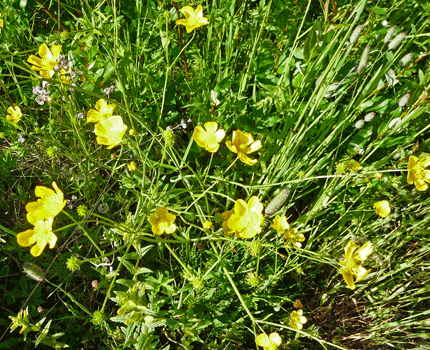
(38, 248)
(245, 159)
(26, 238)
(349, 279)
(275, 338)
(362, 253)
(34, 60)
(211, 127)
(255, 146)
(231, 146)
(360, 272)
(44, 51)
(420, 185)
(255, 205)
(412, 162)
(263, 340)
(200, 136)
(349, 249)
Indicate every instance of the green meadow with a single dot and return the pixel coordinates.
(214, 174)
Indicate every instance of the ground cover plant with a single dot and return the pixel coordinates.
(215, 175)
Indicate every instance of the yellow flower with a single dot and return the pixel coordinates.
(382, 208)
(41, 234)
(193, 18)
(268, 342)
(102, 111)
(378, 175)
(297, 319)
(47, 61)
(132, 132)
(14, 114)
(280, 224)
(110, 131)
(49, 204)
(353, 165)
(353, 257)
(243, 144)
(132, 166)
(162, 221)
(417, 174)
(207, 225)
(247, 218)
(209, 138)
(20, 321)
(1, 23)
(294, 237)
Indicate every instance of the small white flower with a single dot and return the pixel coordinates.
(214, 98)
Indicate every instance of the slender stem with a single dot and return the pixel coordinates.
(227, 273)
(85, 232)
(179, 260)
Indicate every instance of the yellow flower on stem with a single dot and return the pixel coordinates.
(297, 319)
(268, 342)
(382, 208)
(247, 218)
(103, 111)
(353, 257)
(47, 61)
(243, 144)
(132, 166)
(1, 23)
(280, 224)
(162, 221)
(417, 174)
(21, 320)
(193, 18)
(41, 234)
(294, 237)
(49, 204)
(14, 114)
(209, 138)
(110, 131)
(208, 225)
(353, 165)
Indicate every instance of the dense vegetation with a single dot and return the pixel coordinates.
(230, 174)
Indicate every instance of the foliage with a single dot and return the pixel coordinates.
(329, 98)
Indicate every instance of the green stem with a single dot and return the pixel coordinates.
(227, 273)
(85, 232)
(179, 260)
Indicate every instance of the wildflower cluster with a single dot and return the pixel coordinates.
(109, 128)
(42, 94)
(242, 143)
(41, 215)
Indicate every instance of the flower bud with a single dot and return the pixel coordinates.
(406, 59)
(359, 124)
(369, 116)
(389, 34)
(404, 99)
(277, 203)
(363, 60)
(394, 44)
(355, 34)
